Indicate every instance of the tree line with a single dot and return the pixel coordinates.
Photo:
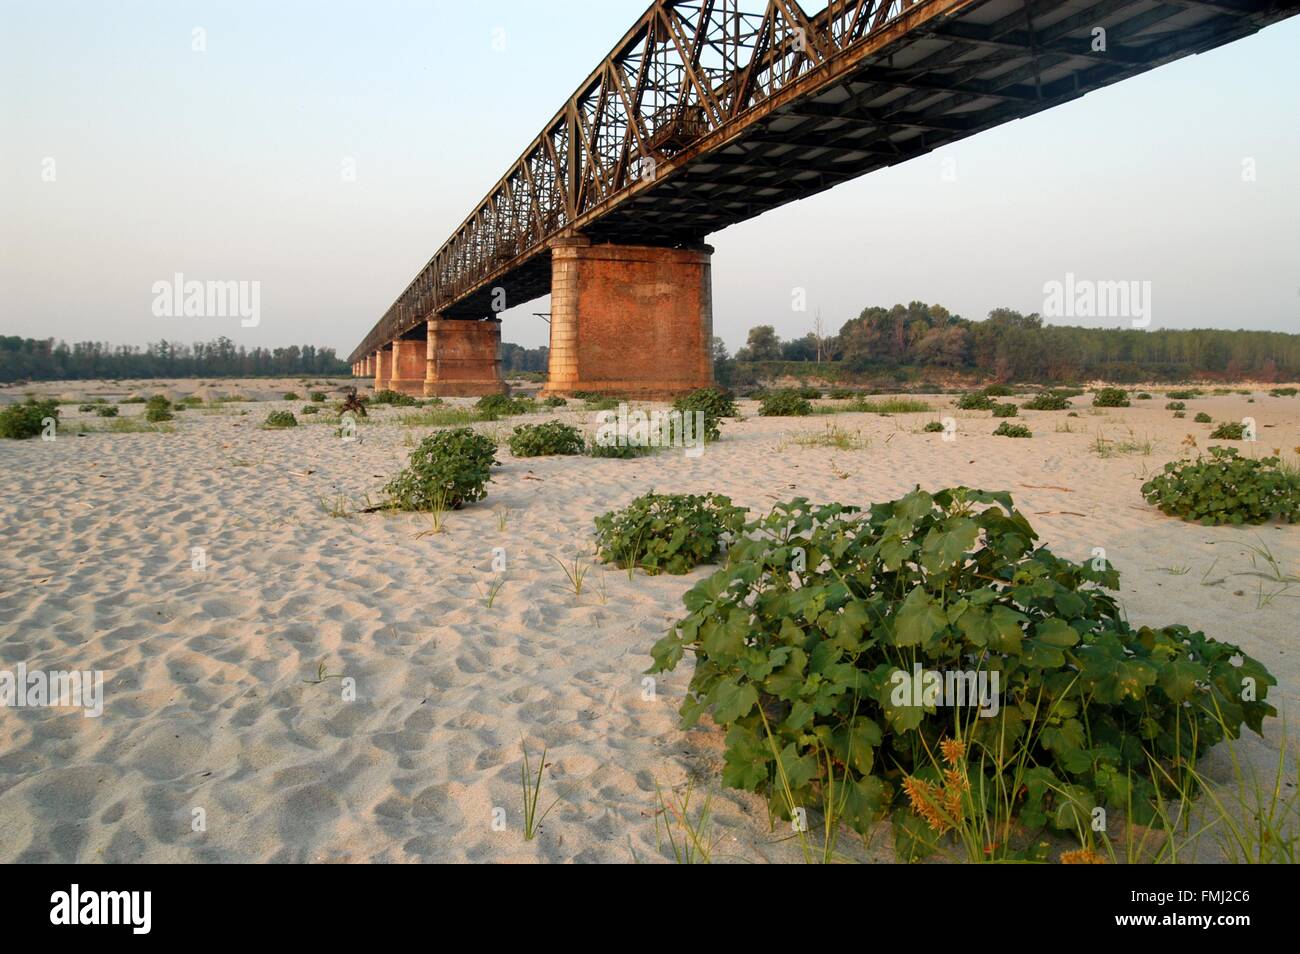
(34, 359)
(1009, 345)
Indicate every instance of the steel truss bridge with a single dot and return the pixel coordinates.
(710, 112)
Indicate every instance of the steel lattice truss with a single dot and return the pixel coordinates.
(709, 112)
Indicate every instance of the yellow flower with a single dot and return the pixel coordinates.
(953, 750)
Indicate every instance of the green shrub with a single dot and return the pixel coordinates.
(841, 394)
(1142, 396)
(134, 399)
(620, 451)
(1175, 406)
(804, 643)
(541, 440)
(784, 404)
(1203, 418)
(190, 400)
(86, 408)
(934, 427)
(281, 419)
(1178, 415)
(393, 398)
(1229, 431)
(493, 406)
(1047, 401)
(668, 533)
(809, 393)
(1284, 392)
(1111, 397)
(714, 404)
(158, 409)
(999, 390)
(1226, 488)
(1004, 410)
(1181, 395)
(555, 401)
(974, 401)
(21, 421)
(1007, 429)
(447, 470)
(291, 396)
(309, 409)
(317, 397)
(106, 410)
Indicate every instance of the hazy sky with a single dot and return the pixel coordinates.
(227, 164)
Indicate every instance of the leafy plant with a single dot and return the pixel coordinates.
(1175, 406)
(1229, 431)
(393, 398)
(1007, 429)
(555, 401)
(309, 409)
(1226, 488)
(107, 410)
(933, 427)
(1111, 397)
(1142, 396)
(812, 649)
(280, 419)
(540, 440)
(785, 403)
(974, 401)
(1005, 410)
(291, 396)
(448, 469)
(1203, 418)
(1284, 392)
(810, 393)
(620, 451)
(21, 421)
(158, 409)
(668, 533)
(714, 404)
(317, 397)
(1181, 395)
(999, 390)
(499, 405)
(1048, 400)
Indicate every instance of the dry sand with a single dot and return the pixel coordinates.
(210, 700)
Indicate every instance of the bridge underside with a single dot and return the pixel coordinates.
(937, 74)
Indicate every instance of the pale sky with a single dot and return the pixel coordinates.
(127, 156)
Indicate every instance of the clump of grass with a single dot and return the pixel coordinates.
(835, 436)
(123, 425)
(576, 573)
(893, 405)
(689, 834)
(444, 417)
(1107, 447)
(532, 791)
(336, 506)
(489, 596)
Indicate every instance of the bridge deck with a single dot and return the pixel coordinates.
(706, 115)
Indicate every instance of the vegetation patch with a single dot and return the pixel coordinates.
(893, 405)
(447, 470)
(1229, 431)
(819, 647)
(22, 421)
(1111, 397)
(714, 404)
(784, 403)
(1048, 401)
(974, 401)
(1175, 406)
(493, 406)
(668, 533)
(1226, 488)
(542, 440)
(277, 420)
(1007, 429)
(158, 409)
(1005, 410)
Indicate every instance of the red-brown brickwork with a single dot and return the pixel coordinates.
(463, 358)
(630, 320)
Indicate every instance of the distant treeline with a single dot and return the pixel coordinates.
(1010, 346)
(518, 358)
(30, 359)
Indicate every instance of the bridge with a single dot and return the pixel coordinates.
(710, 112)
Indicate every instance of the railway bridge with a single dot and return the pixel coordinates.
(710, 112)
